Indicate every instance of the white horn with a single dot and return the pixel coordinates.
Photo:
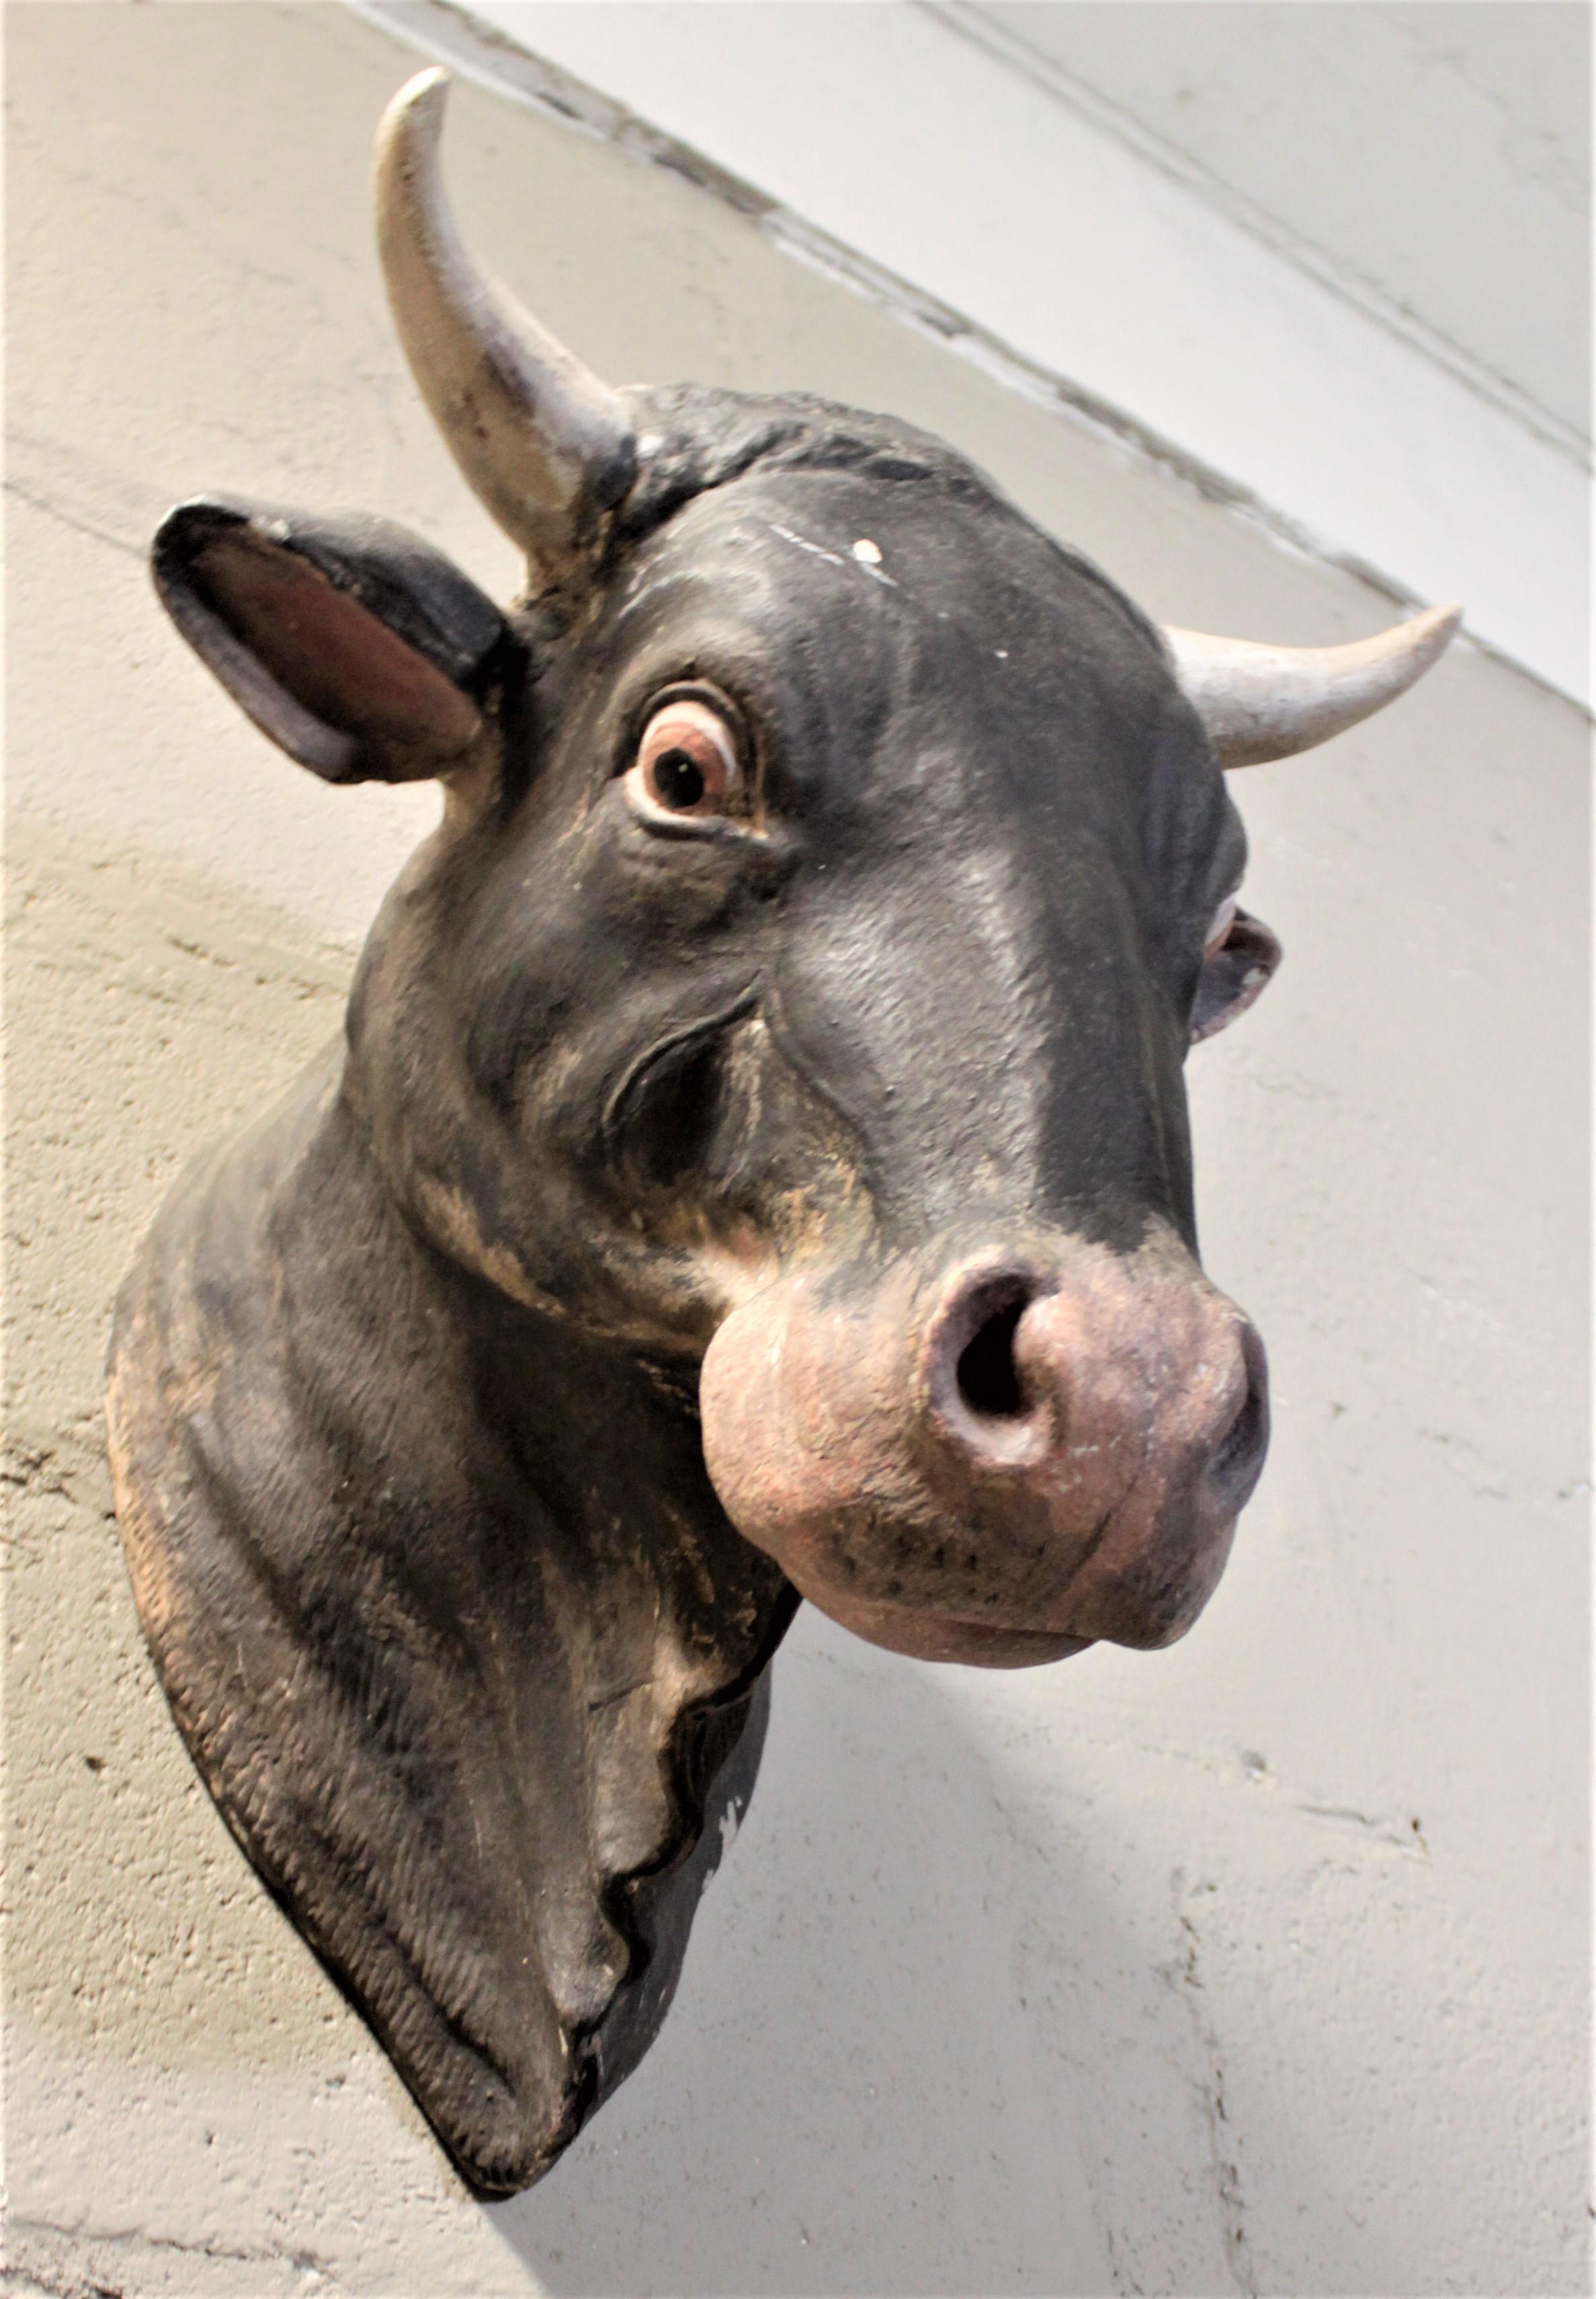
(1263, 702)
(547, 447)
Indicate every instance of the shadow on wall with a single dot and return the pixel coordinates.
(916, 2049)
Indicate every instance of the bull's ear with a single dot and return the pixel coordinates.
(349, 641)
(1235, 971)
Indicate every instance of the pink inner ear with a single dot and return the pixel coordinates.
(331, 654)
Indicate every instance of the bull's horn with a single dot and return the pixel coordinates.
(547, 447)
(1263, 702)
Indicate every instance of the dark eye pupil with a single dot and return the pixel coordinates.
(677, 780)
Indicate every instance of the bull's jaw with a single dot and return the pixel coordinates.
(923, 1636)
(847, 1432)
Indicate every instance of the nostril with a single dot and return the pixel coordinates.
(988, 1375)
(1240, 1456)
(981, 1401)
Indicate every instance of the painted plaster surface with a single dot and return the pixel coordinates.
(1255, 1965)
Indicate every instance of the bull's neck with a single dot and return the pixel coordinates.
(450, 1615)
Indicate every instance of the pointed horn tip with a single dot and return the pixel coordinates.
(1440, 624)
(418, 109)
(1415, 646)
(1263, 702)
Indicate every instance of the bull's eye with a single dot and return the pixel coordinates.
(687, 763)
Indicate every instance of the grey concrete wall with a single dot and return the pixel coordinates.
(1255, 1965)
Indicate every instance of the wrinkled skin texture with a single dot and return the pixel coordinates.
(702, 1210)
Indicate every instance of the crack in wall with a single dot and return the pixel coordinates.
(1224, 2149)
(42, 502)
(70, 2275)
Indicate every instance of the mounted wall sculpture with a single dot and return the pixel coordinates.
(756, 1166)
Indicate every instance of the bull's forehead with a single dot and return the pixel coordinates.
(870, 620)
(1006, 824)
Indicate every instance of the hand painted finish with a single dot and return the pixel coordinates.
(756, 1166)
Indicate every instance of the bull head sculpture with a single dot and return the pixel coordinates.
(756, 1166)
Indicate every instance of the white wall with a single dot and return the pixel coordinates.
(1432, 158)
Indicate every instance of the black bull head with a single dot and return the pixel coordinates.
(758, 1164)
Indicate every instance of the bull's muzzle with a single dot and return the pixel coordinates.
(997, 1460)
